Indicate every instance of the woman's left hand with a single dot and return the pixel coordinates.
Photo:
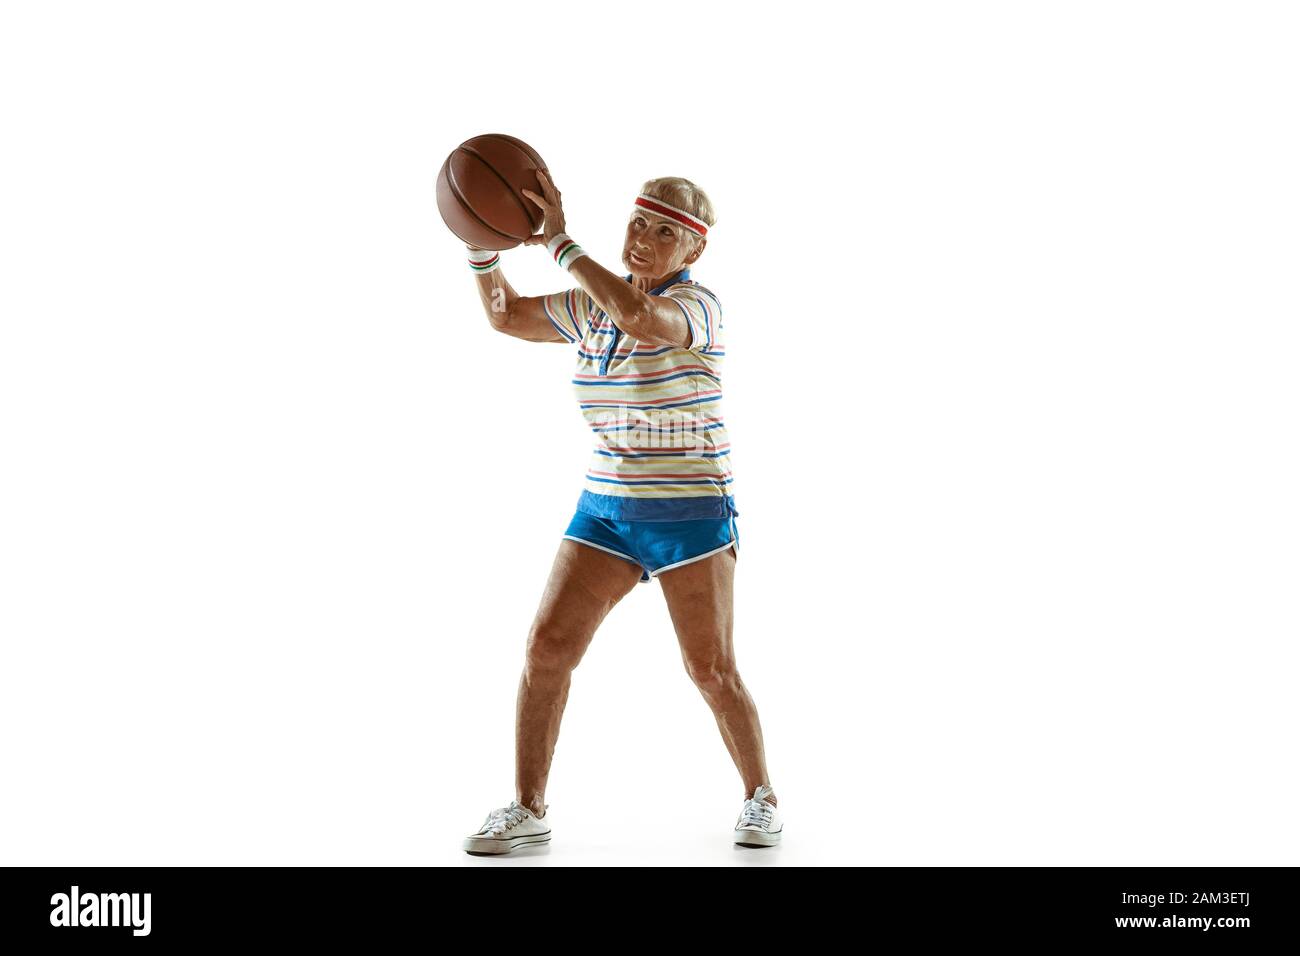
(549, 202)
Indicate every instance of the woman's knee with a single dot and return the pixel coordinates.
(551, 651)
(712, 674)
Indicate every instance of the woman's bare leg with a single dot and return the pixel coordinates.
(699, 597)
(585, 583)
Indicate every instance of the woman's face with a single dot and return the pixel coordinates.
(656, 247)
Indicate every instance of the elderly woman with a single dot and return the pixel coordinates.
(657, 500)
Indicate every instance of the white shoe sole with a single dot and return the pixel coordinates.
(757, 838)
(487, 845)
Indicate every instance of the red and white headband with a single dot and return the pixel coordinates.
(679, 216)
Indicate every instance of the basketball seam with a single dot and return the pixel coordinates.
(518, 144)
(465, 205)
(522, 203)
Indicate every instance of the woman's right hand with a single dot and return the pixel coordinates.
(550, 205)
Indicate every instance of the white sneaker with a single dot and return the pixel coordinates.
(759, 823)
(507, 828)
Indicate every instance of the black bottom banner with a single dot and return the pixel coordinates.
(376, 907)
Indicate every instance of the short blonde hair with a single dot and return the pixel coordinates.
(683, 194)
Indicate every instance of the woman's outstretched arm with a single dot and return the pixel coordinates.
(522, 316)
(644, 317)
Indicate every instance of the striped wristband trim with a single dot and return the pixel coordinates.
(483, 260)
(565, 251)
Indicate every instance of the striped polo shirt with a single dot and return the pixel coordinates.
(662, 452)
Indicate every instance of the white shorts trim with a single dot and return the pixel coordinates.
(668, 567)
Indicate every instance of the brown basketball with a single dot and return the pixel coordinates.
(479, 193)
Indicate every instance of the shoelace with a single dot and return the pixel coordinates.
(756, 813)
(499, 821)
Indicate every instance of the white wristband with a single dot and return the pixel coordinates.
(483, 261)
(565, 251)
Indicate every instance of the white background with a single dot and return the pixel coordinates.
(1011, 306)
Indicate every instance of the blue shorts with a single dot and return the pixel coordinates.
(657, 546)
